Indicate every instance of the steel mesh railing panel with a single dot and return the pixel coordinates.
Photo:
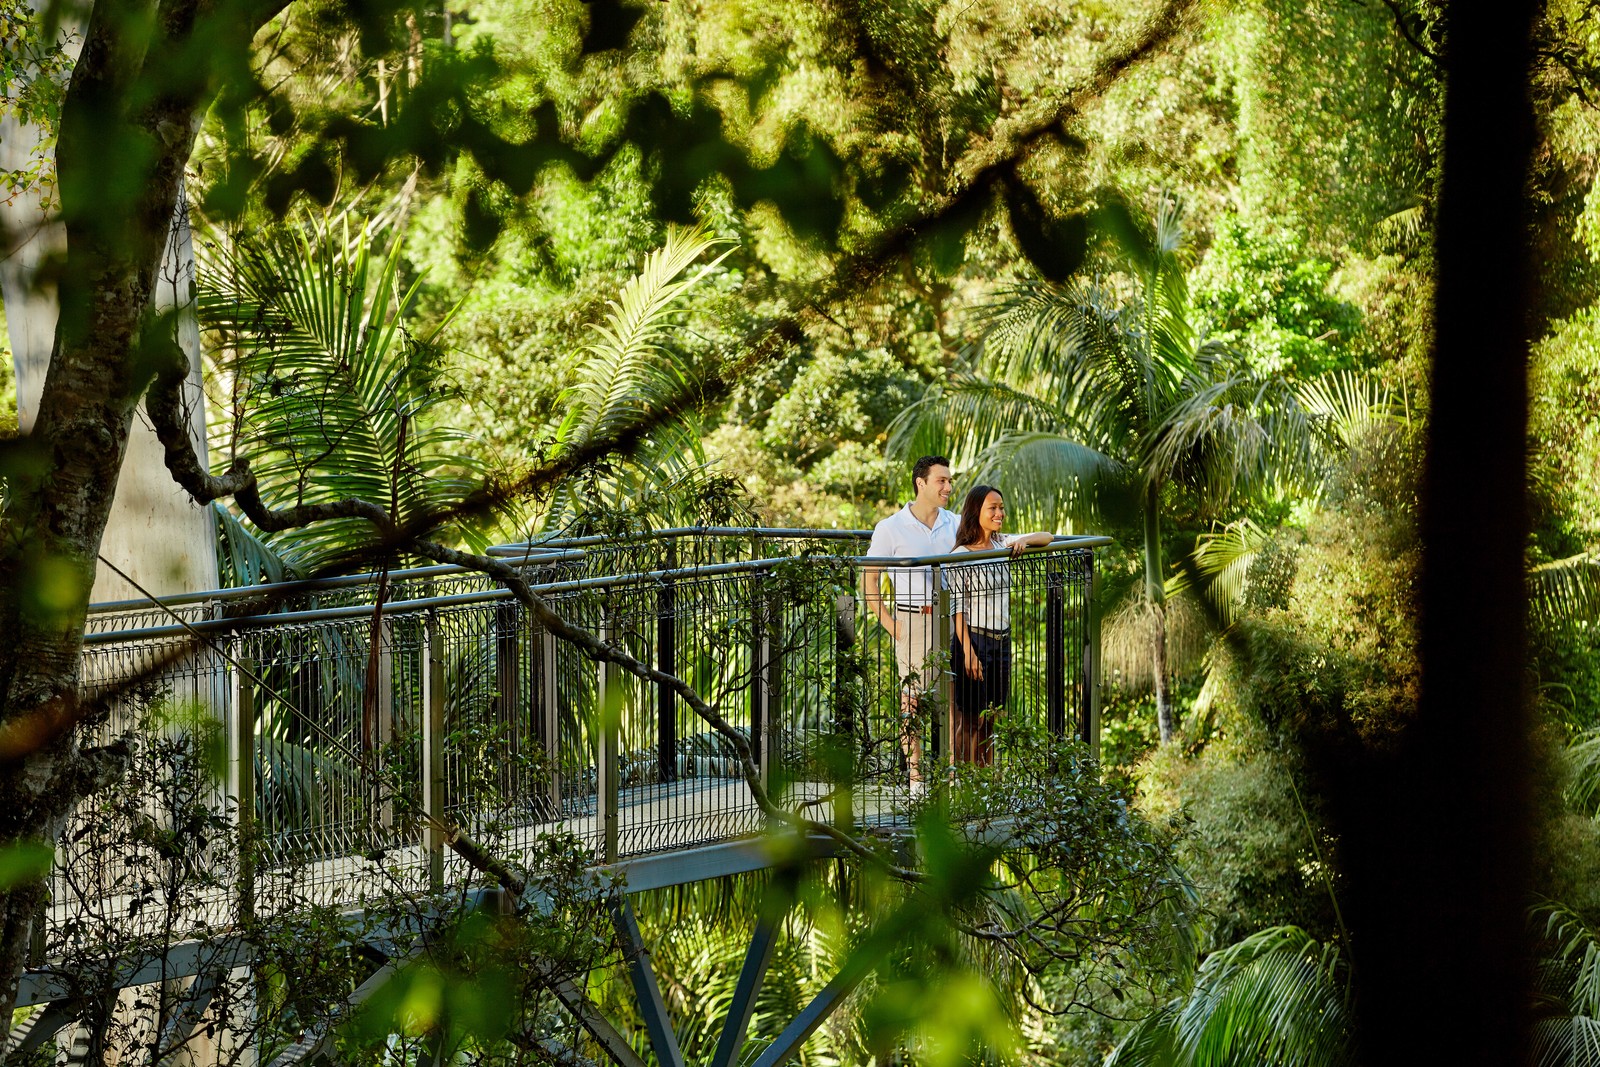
(342, 709)
(110, 884)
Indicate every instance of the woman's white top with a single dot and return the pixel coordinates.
(982, 590)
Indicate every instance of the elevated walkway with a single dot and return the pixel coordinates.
(366, 719)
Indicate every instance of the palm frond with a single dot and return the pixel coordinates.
(1583, 787)
(1222, 560)
(631, 370)
(1570, 1041)
(923, 428)
(335, 390)
(1565, 591)
(1152, 1043)
(1068, 345)
(967, 415)
(1276, 997)
(1050, 475)
(243, 558)
(1348, 405)
(1234, 433)
(1575, 943)
(1404, 227)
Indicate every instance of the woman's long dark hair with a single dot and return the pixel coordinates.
(970, 532)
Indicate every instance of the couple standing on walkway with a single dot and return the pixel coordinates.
(980, 645)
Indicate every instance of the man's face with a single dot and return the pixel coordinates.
(936, 488)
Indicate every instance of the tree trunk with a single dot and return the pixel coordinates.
(64, 481)
(1155, 591)
(1437, 828)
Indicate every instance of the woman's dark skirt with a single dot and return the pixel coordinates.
(974, 740)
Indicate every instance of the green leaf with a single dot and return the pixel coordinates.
(946, 241)
(25, 861)
(1116, 219)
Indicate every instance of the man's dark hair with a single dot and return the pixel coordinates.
(920, 469)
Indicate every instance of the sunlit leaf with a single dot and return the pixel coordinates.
(24, 861)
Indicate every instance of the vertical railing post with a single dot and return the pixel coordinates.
(508, 686)
(1089, 723)
(772, 684)
(946, 686)
(384, 634)
(846, 716)
(242, 778)
(550, 732)
(765, 665)
(667, 663)
(1055, 646)
(607, 766)
(433, 752)
(758, 675)
(844, 711)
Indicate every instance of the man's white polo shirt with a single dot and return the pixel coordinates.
(903, 534)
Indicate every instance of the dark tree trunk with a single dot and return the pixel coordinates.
(1435, 834)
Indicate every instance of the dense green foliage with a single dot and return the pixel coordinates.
(631, 209)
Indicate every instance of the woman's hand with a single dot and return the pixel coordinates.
(974, 665)
(1022, 542)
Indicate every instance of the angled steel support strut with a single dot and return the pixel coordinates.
(612, 1040)
(779, 898)
(815, 1014)
(190, 1010)
(656, 1021)
(756, 960)
(42, 1026)
(315, 1042)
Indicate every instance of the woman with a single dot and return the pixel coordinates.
(980, 646)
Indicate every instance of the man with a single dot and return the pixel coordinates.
(921, 528)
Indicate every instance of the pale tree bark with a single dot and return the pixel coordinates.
(155, 533)
(1155, 592)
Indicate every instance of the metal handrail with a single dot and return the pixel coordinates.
(239, 622)
(284, 590)
(900, 562)
(775, 533)
(552, 550)
(789, 666)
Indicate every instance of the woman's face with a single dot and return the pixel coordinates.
(992, 517)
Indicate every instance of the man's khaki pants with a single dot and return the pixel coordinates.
(913, 649)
